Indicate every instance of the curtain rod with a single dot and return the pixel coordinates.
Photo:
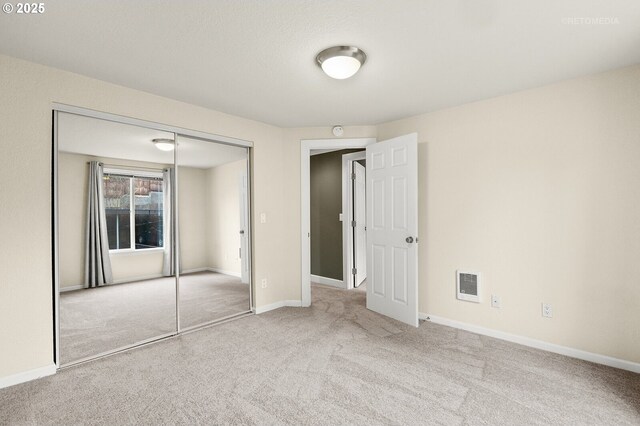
(119, 166)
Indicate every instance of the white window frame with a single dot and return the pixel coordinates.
(132, 174)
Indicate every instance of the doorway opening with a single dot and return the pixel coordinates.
(389, 235)
(333, 263)
(333, 254)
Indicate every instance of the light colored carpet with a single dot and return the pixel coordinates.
(100, 319)
(334, 363)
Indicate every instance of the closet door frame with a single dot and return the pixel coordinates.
(177, 132)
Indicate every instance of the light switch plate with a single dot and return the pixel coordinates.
(496, 301)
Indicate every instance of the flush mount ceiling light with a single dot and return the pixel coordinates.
(164, 144)
(341, 62)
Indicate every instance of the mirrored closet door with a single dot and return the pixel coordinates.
(116, 282)
(152, 232)
(213, 231)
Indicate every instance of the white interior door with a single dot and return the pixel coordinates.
(244, 232)
(392, 228)
(360, 219)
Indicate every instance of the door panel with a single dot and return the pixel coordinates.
(392, 211)
(399, 203)
(376, 160)
(377, 277)
(360, 218)
(377, 201)
(399, 276)
(399, 156)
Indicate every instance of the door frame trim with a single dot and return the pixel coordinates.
(306, 145)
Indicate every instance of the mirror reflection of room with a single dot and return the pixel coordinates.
(116, 280)
(214, 234)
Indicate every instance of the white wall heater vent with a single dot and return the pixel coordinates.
(468, 286)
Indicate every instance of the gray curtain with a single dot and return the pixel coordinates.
(97, 271)
(168, 221)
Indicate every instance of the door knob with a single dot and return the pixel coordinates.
(409, 240)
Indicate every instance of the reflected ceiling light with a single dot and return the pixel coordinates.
(341, 62)
(164, 144)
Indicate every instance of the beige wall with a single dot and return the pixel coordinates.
(209, 216)
(192, 215)
(539, 191)
(223, 216)
(72, 193)
(72, 178)
(27, 92)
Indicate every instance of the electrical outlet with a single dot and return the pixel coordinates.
(547, 311)
(264, 283)
(496, 301)
(263, 218)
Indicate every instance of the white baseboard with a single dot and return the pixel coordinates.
(538, 344)
(155, 276)
(281, 304)
(115, 282)
(217, 270)
(71, 288)
(327, 281)
(222, 271)
(140, 278)
(27, 376)
(194, 270)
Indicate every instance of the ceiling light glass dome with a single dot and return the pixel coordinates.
(341, 62)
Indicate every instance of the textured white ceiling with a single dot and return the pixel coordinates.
(90, 136)
(255, 58)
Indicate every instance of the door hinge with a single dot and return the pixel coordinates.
(354, 271)
(353, 223)
(353, 176)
